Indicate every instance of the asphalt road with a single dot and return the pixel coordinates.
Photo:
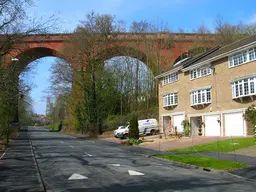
(48, 161)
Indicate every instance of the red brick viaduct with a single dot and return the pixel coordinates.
(37, 46)
(168, 47)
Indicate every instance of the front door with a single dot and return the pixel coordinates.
(195, 124)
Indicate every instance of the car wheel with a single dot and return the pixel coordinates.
(125, 136)
(152, 132)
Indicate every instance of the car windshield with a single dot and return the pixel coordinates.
(122, 127)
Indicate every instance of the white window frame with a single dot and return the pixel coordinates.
(201, 97)
(170, 99)
(171, 78)
(242, 57)
(244, 87)
(200, 72)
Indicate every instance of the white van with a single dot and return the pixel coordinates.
(146, 126)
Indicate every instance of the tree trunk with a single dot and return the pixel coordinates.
(121, 97)
(93, 120)
(136, 94)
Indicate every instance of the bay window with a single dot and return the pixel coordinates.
(170, 99)
(244, 87)
(200, 97)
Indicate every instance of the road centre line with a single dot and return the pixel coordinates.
(71, 146)
(88, 154)
(61, 141)
(3, 154)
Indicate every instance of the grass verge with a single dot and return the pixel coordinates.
(205, 162)
(228, 145)
(53, 127)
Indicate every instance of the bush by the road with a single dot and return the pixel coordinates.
(133, 141)
(250, 116)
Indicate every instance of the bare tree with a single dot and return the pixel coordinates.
(86, 51)
(61, 78)
(14, 25)
(227, 33)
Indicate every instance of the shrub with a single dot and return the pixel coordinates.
(133, 141)
(250, 115)
(133, 127)
(186, 127)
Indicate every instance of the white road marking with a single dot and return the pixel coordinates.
(71, 146)
(3, 154)
(115, 165)
(77, 176)
(88, 154)
(61, 141)
(131, 172)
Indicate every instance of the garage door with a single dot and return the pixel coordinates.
(212, 127)
(234, 124)
(177, 120)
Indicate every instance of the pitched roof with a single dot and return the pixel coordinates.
(209, 54)
(224, 50)
(185, 62)
(200, 56)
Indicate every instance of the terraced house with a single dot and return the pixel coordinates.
(211, 90)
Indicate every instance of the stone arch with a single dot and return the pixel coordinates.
(130, 52)
(29, 55)
(18, 60)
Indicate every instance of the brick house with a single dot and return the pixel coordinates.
(211, 90)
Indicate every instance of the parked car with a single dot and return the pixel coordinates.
(146, 126)
(121, 132)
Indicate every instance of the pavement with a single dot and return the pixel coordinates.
(248, 151)
(17, 167)
(40, 160)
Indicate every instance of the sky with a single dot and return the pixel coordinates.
(179, 14)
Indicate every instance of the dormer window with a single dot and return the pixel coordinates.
(171, 78)
(242, 57)
(252, 54)
(200, 72)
